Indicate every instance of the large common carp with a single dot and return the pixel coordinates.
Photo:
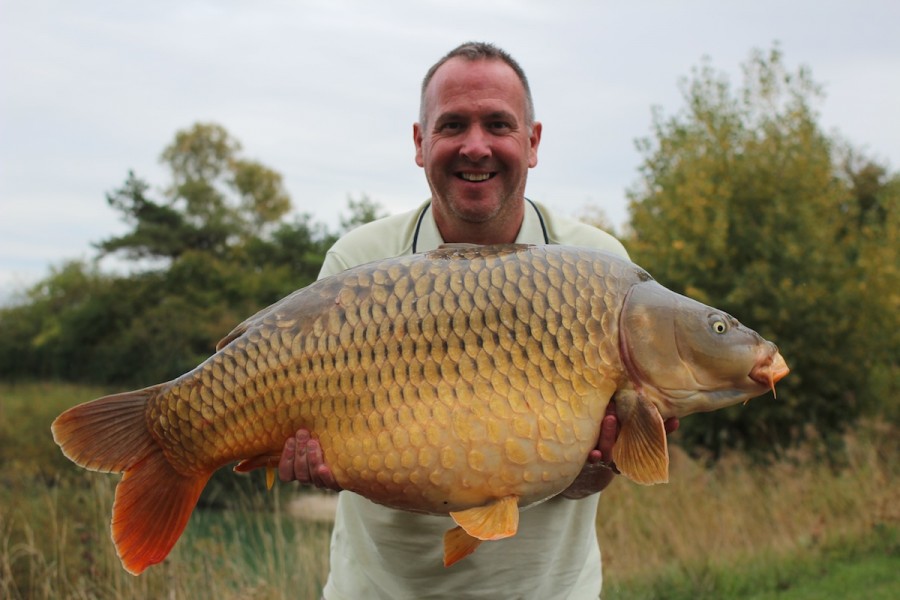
(467, 380)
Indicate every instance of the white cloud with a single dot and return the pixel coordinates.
(326, 92)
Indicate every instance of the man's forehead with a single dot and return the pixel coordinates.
(484, 79)
(480, 71)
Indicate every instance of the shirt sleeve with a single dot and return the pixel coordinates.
(332, 265)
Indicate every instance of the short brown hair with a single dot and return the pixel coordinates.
(480, 51)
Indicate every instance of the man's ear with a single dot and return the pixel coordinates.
(535, 141)
(417, 140)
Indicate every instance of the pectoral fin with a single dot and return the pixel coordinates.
(493, 521)
(641, 451)
(269, 462)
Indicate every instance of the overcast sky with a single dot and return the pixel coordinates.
(325, 92)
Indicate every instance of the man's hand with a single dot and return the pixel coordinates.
(302, 460)
(599, 470)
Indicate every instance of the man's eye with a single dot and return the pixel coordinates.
(500, 126)
(451, 126)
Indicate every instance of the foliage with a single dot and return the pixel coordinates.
(215, 199)
(361, 212)
(214, 250)
(744, 204)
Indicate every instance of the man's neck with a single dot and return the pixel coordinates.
(503, 229)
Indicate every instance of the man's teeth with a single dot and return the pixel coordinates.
(475, 176)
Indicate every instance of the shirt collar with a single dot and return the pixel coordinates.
(427, 237)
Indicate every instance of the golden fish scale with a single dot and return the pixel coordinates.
(432, 382)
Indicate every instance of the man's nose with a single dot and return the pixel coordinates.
(476, 144)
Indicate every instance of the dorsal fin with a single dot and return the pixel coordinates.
(457, 246)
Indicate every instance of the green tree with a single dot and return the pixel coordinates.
(219, 249)
(870, 236)
(159, 230)
(216, 199)
(72, 325)
(362, 211)
(742, 205)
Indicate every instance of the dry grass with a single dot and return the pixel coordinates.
(49, 551)
(739, 514)
(734, 517)
(54, 526)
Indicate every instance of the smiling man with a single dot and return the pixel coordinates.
(476, 139)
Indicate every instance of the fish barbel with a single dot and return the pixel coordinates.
(468, 381)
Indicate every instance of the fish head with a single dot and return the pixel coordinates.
(697, 358)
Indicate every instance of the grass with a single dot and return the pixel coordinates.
(796, 529)
(54, 525)
(737, 527)
(872, 577)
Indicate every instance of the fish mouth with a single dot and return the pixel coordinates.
(770, 369)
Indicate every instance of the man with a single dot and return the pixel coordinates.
(476, 139)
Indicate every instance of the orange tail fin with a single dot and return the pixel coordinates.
(153, 501)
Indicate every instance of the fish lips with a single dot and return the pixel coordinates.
(770, 369)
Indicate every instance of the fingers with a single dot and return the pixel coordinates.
(293, 465)
(601, 455)
(609, 431)
(302, 471)
(320, 475)
(302, 460)
(286, 463)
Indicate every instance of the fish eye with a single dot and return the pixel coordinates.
(718, 324)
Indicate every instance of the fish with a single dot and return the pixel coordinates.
(467, 381)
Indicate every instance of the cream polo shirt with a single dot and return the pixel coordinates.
(379, 552)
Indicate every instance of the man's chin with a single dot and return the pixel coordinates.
(475, 210)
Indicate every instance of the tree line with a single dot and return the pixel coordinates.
(207, 251)
(742, 202)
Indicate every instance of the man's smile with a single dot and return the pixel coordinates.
(475, 177)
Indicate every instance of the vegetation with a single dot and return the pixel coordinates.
(738, 530)
(54, 526)
(746, 205)
(742, 528)
(209, 253)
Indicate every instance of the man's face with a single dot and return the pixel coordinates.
(475, 145)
